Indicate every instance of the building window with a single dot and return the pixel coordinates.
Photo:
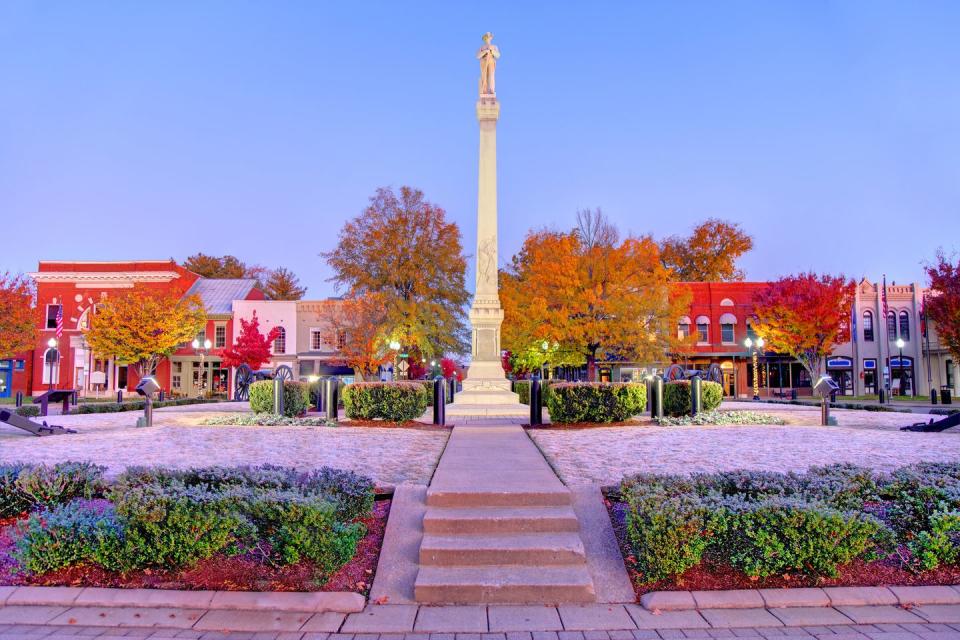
(220, 336)
(202, 337)
(178, 367)
(316, 340)
(175, 381)
(306, 367)
(280, 342)
(891, 325)
(20, 365)
(683, 330)
(703, 332)
(51, 364)
(950, 373)
(341, 340)
(52, 311)
(868, 326)
(726, 333)
(904, 325)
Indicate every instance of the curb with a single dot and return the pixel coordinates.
(800, 597)
(301, 602)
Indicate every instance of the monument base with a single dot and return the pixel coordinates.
(486, 387)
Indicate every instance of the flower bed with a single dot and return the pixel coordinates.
(715, 417)
(269, 520)
(839, 524)
(265, 420)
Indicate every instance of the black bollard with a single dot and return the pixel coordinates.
(74, 398)
(278, 397)
(316, 393)
(882, 396)
(19, 398)
(695, 398)
(163, 395)
(536, 403)
(656, 398)
(331, 401)
(439, 402)
(933, 396)
(453, 389)
(119, 396)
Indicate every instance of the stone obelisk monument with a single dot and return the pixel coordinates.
(486, 383)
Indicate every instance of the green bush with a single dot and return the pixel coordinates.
(522, 389)
(174, 525)
(595, 401)
(79, 532)
(47, 486)
(939, 544)
(392, 401)
(28, 411)
(13, 501)
(296, 397)
(136, 405)
(676, 397)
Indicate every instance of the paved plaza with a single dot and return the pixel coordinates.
(388, 455)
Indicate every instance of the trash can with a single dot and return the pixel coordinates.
(945, 395)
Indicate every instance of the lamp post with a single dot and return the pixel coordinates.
(395, 347)
(52, 343)
(202, 349)
(749, 343)
(900, 344)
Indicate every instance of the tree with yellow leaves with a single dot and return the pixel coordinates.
(142, 327)
(592, 294)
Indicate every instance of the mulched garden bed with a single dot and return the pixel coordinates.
(409, 424)
(591, 425)
(712, 576)
(239, 573)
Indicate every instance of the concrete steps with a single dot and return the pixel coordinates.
(497, 584)
(527, 549)
(499, 526)
(494, 520)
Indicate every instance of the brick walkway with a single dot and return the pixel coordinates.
(496, 622)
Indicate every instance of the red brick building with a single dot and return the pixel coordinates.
(74, 288)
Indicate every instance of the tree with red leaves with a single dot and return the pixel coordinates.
(448, 368)
(251, 348)
(805, 316)
(943, 306)
(18, 328)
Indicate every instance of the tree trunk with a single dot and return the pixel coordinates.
(592, 362)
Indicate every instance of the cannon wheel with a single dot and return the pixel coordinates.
(242, 380)
(283, 373)
(715, 374)
(674, 372)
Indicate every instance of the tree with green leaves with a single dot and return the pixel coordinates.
(403, 248)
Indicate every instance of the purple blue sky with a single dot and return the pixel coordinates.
(829, 130)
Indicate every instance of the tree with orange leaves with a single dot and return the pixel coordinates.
(143, 327)
(943, 306)
(18, 327)
(708, 254)
(358, 326)
(586, 294)
(805, 316)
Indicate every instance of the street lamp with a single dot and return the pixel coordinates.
(749, 344)
(203, 357)
(546, 347)
(900, 344)
(395, 347)
(52, 343)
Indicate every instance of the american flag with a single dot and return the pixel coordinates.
(884, 297)
(59, 322)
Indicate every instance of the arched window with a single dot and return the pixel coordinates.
(280, 342)
(703, 330)
(904, 325)
(51, 366)
(868, 326)
(683, 328)
(891, 325)
(727, 325)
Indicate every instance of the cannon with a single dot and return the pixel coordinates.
(245, 376)
(28, 425)
(713, 373)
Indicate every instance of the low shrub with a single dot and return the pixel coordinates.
(49, 485)
(762, 523)
(13, 501)
(28, 411)
(676, 397)
(392, 401)
(296, 397)
(939, 544)
(136, 405)
(78, 532)
(173, 525)
(571, 402)
(522, 389)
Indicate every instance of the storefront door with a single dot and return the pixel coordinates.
(6, 378)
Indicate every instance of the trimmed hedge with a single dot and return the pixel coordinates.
(522, 389)
(28, 411)
(135, 405)
(676, 396)
(296, 397)
(28, 486)
(595, 401)
(392, 401)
